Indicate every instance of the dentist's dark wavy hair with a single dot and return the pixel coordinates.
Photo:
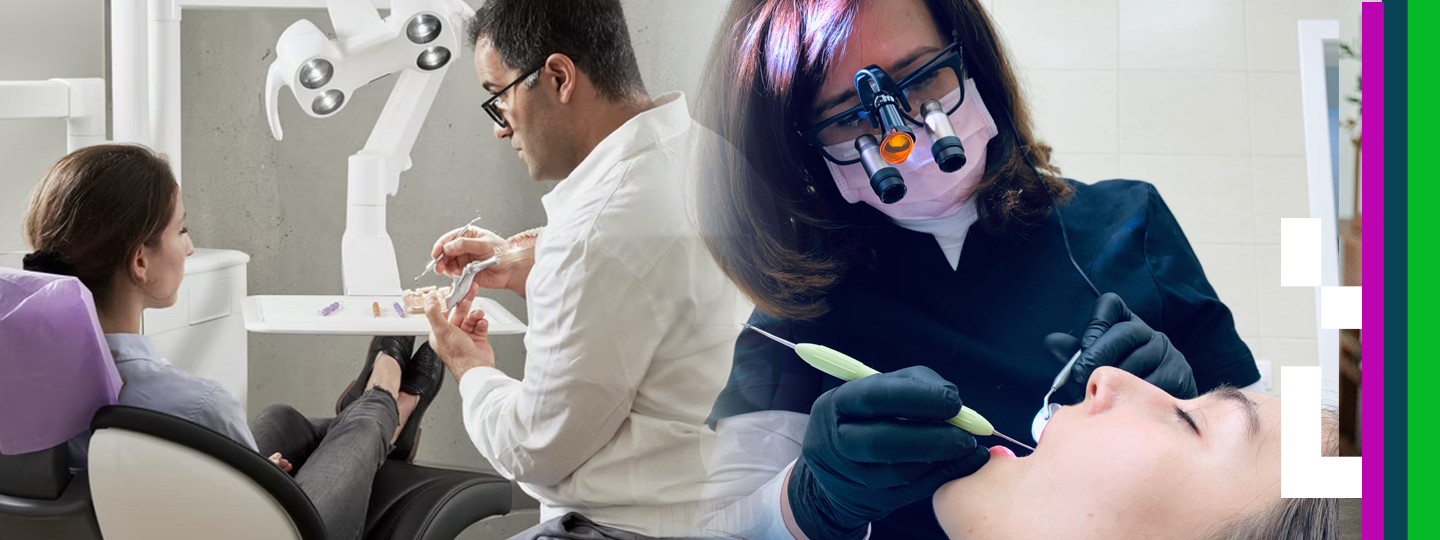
(767, 208)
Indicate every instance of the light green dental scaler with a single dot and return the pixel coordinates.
(845, 368)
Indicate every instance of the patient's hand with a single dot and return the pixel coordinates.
(461, 337)
(281, 462)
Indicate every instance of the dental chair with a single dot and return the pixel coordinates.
(154, 476)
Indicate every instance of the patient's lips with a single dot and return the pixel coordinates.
(998, 451)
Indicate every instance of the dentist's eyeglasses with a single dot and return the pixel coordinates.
(490, 106)
(936, 79)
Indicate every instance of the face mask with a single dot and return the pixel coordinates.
(930, 192)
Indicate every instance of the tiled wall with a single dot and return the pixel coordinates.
(1202, 99)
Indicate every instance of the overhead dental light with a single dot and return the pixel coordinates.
(416, 42)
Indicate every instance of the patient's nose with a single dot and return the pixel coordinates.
(1110, 387)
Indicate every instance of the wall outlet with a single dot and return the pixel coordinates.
(1266, 375)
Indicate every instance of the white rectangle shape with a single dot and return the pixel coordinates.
(1340, 308)
(1304, 473)
(1300, 252)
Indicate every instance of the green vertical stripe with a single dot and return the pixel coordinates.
(1424, 266)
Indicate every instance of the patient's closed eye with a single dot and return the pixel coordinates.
(1184, 416)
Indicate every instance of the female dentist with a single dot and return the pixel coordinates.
(944, 274)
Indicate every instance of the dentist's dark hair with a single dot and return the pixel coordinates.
(767, 208)
(592, 33)
(94, 208)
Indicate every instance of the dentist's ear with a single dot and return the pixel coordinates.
(562, 69)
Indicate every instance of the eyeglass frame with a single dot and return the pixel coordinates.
(489, 105)
(952, 56)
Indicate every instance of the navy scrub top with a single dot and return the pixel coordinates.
(981, 324)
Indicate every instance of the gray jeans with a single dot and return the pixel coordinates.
(334, 459)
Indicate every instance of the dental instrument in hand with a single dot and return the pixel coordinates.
(1059, 381)
(467, 276)
(845, 368)
(431, 266)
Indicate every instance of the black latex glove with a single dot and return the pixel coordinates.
(1116, 337)
(860, 460)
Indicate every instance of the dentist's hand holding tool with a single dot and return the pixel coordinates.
(876, 444)
(459, 337)
(462, 246)
(1116, 337)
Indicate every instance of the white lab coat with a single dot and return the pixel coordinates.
(631, 333)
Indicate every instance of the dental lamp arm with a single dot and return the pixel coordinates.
(418, 41)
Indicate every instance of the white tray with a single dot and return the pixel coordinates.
(301, 315)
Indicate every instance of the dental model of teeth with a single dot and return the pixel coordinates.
(414, 299)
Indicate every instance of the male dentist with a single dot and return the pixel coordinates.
(631, 323)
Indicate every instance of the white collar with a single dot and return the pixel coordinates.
(949, 231)
(670, 117)
(948, 226)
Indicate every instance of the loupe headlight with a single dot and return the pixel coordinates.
(948, 152)
(899, 138)
(883, 100)
(884, 179)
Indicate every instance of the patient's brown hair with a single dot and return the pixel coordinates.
(94, 208)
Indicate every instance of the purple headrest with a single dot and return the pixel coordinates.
(55, 368)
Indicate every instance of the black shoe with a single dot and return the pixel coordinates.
(397, 347)
(422, 377)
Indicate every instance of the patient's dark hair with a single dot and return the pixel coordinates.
(1294, 519)
(592, 33)
(94, 208)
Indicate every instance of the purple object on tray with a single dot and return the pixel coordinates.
(55, 368)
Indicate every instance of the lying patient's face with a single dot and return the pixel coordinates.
(1126, 463)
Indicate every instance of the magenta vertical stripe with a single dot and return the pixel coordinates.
(1372, 180)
